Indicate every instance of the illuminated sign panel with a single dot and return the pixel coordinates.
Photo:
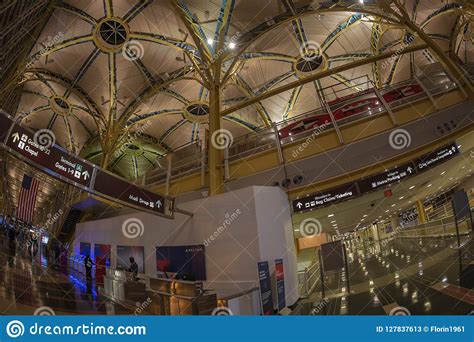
(53, 158)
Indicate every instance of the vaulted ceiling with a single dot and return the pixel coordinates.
(124, 71)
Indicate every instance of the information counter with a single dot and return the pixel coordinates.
(122, 287)
(180, 297)
(162, 296)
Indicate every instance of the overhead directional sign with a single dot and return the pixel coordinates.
(57, 162)
(119, 189)
(437, 157)
(52, 158)
(378, 181)
(326, 197)
(386, 178)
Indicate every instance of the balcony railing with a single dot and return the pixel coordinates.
(191, 158)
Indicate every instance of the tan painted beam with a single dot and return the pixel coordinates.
(323, 74)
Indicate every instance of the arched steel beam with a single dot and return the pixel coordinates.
(178, 75)
(291, 102)
(257, 32)
(245, 87)
(61, 5)
(241, 122)
(24, 115)
(57, 47)
(65, 82)
(349, 56)
(82, 70)
(142, 117)
(163, 40)
(350, 22)
(136, 10)
(321, 75)
(270, 56)
(170, 130)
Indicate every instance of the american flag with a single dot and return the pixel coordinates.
(27, 200)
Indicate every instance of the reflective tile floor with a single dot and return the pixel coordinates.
(428, 276)
(27, 284)
(417, 276)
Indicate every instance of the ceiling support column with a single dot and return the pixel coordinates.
(461, 77)
(216, 152)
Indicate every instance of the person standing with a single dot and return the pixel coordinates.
(88, 265)
(133, 267)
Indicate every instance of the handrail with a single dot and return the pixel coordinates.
(264, 138)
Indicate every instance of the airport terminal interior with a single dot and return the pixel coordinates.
(237, 157)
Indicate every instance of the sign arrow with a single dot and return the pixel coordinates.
(409, 169)
(16, 137)
(299, 205)
(86, 174)
(158, 204)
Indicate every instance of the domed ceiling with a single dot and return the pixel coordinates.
(120, 75)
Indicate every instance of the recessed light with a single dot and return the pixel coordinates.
(429, 185)
(210, 41)
(393, 204)
(411, 187)
(401, 197)
(333, 221)
(330, 215)
(232, 45)
(442, 173)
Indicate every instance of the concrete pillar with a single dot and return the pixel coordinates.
(421, 212)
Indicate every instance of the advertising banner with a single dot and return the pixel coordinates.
(187, 262)
(280, 284)
(333, 255)
(266, 297)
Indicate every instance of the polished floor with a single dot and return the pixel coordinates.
(428, 276)
(28, 285)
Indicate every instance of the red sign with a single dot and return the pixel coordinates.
(388, 193)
